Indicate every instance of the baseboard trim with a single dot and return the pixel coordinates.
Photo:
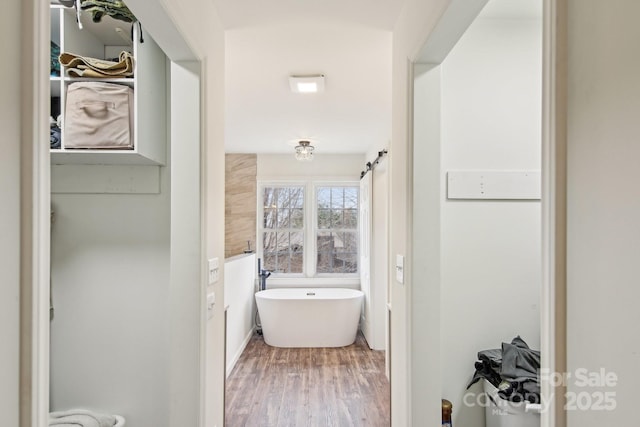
(232, 363)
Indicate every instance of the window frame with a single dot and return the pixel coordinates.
(310, 229)
(315, 229)
(261, 229)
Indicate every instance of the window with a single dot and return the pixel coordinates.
(309, 229)
(283, 229)
(337, 230)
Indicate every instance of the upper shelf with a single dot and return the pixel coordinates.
(106, 39)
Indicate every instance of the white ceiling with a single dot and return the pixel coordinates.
(350, 116)
(381, 14)
(512, 9)
(349, 41)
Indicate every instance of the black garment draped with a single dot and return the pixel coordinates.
(513, 370)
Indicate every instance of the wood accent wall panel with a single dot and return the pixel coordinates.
(240, 202)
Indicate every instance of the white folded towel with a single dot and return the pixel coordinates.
(81, 418)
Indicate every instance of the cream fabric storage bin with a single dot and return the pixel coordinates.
(98, 115)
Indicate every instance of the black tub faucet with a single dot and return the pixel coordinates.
(263, 275)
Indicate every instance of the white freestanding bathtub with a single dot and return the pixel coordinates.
(299, 317)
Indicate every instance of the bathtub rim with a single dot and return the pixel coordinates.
(301, 294)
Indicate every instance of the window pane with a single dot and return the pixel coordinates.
(297, 263)
(324, 197)
(323, 263)
(282, 197)
(282, 243)
(325, 242)
(350, 263)
(280, 266)
(269, 241)
(269, 218)
(351, 197)
(326, 259)
(338, 242)
(283, 250)
(337, 212)
(337, 197)
(324, 218)
(296, 197)
(296, 242)
(297, 218)
(269, 198)
(337, 220)
(283, 218)
(351, 218)
(269, 261)
(349, 242)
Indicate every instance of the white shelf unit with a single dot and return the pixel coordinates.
(101, 40)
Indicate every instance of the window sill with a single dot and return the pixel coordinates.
(316, 282)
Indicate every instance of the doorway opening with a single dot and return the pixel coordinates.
(477, 253)
(345, 384)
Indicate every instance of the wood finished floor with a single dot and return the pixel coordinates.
(312, 387)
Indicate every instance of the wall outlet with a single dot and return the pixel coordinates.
(214, 270)
(211, 301)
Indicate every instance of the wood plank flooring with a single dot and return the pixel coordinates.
(310, 387)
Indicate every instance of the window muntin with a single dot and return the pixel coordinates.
(337, 229)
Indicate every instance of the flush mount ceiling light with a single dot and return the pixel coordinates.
(307, 84)
(304, 150)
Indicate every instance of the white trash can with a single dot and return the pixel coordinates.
(503, 413)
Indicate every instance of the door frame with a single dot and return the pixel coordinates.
(35, 215)
(34, 375)
(553, 325)
(553, 200)
(35, 196)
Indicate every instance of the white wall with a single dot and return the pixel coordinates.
(409, 392)
(239, 290)
(10, 221)
(180, 31)
(213, 125)
(490, 250)
(425, 315)
(110, 282)
(603, 203)
(285, 166)
(186, 314)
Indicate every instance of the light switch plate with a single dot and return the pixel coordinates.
(400, 269)
(214, 270)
